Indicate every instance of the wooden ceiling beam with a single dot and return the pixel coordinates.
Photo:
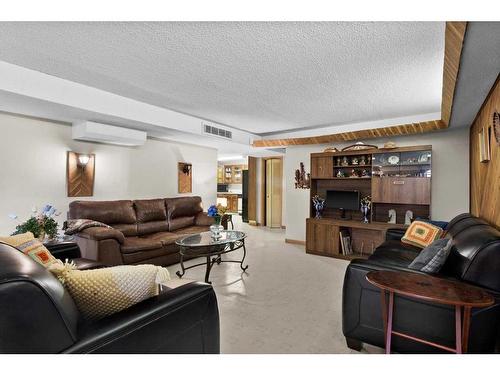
(454, 37)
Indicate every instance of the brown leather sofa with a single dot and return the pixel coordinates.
(144, 231)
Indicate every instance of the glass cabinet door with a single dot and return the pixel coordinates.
(386, 164)
(402, 164)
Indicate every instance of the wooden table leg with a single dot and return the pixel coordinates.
(383, 303)
(465, 329)
(388, 334)
(458, 329)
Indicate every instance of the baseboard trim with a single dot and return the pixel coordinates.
(295, 242)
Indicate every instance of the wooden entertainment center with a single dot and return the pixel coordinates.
(397, 179)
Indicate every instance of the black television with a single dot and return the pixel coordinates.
(343, 200)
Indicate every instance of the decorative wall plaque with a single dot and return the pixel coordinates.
(185, 177)
(302, 179)
(80, 173)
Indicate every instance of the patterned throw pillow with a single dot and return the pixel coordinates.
(101, 292)
(29, 245)
(432, 257)
(421, 234)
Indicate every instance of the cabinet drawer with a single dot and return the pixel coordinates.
(402, 190)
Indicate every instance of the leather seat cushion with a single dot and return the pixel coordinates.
(395, 253)
(166, 238)
(135, 244)
(191, 230)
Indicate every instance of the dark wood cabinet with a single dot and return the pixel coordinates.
(401, 190)
(321, 238)
(322, 167)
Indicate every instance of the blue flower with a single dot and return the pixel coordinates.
(212, 211)
(46, 209)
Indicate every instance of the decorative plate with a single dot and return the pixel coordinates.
(393, 159)
(496, 126)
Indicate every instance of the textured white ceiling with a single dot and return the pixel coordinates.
(259, 77)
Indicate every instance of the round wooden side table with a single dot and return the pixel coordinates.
(431, 289)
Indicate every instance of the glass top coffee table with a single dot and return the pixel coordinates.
(204, 245)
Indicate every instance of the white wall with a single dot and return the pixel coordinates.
(450, 176)
(33, 168)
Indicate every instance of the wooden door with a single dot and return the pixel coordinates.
(220, 175)
(274, 179)
(322, 167)
(407, 190)
(322, 237)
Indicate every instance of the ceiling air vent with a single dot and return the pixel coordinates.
(218, 132)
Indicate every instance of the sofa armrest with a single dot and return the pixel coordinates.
(100, 233)
(394, 234)
(203, 219)
(181, 320)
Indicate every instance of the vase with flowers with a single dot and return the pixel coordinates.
(217, 212)
(366, 204)
(41, 223)
(319, 205)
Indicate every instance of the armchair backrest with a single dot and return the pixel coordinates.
(37, 314)
(475, 255)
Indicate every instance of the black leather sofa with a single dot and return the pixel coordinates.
(474, 259)
(37, 315)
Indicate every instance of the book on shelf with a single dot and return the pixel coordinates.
(345, 242)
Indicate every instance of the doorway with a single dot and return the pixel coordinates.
(273, 194)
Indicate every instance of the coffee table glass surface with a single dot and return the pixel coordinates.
(205, 239)
(204, 245)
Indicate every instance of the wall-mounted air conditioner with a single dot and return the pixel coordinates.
(95, 132)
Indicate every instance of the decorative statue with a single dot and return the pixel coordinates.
(362, 160)
(366, 203)
(345, 161)
(340, 174)
(392, 216)
(408, 217)
(365, 173)
(302, 179)
(354, 161)
(319, 205)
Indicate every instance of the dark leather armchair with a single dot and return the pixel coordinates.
(37, 315)
(474, 259)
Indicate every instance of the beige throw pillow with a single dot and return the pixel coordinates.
(105, 291)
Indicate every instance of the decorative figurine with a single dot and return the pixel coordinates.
(365, 173)
(302, 179)
(340, 174)
(345, 161)
(408, 217)
(319, 205)
(366, 203)
(339, 161)
(392, 216)
(362, 160)
(354, 161)
(354, 173)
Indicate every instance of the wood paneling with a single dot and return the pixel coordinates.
(391, 131)
(80, 179)
(185, 177)
(485, 177)
(454, 38)
(252, 190)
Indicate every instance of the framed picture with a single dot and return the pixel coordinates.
(484, 145)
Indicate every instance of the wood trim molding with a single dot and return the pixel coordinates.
(454, 37)
(295, 242)
(453, 43)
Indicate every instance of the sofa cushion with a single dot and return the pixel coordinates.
(432, 257)
(151, 216)
(191, 230)
(135, 244)
(183, 206)
(395, 253)
(108, 212)
(181, 222)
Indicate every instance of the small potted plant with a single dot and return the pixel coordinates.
(216, 212)
(41, 223)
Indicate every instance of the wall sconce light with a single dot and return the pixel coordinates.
(83, 160)
(80, 174)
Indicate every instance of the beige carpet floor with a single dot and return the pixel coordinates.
(286, 302)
